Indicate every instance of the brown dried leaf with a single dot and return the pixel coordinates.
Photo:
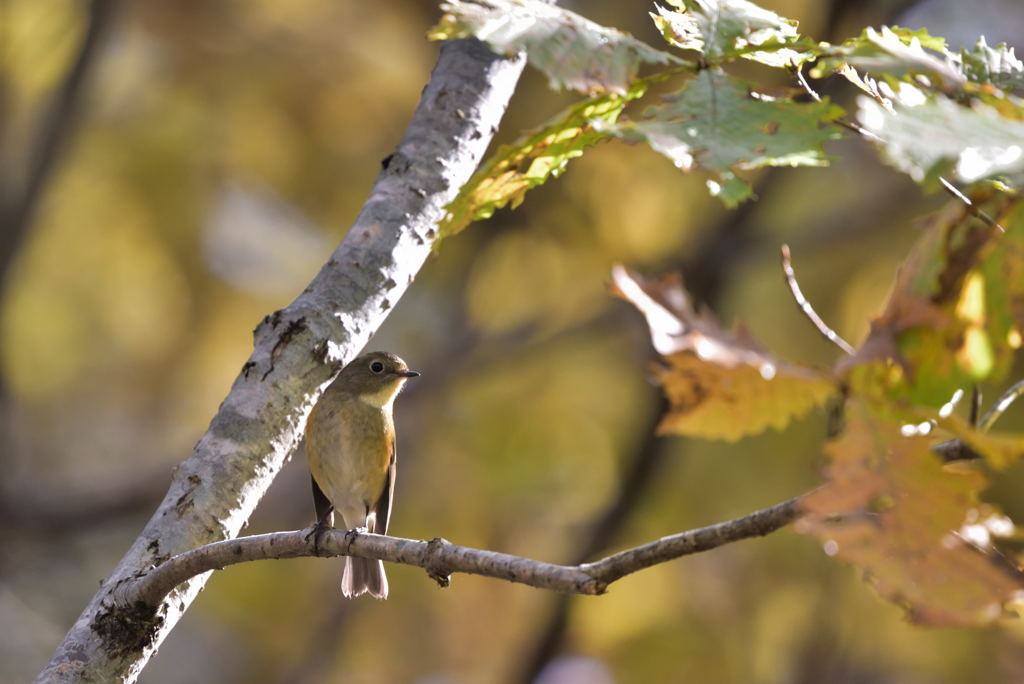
(720, 385)
(890, 508)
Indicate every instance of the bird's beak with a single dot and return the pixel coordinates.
(407, 374)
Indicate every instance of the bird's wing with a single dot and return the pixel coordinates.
(382, 510)
(323, 506)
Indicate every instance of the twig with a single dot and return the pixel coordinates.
(440, 558)
(998, 408)
(805, 306)
(975, 408)
(978, 213)
(756, 524)
(958, 450)
(52, 135)
(842, 121)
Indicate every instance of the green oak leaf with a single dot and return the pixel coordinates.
(719, 124)
(573, 52)
(725, 29)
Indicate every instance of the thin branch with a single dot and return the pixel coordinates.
(441, 558)
(798, 71)
(971, 206)
(52, 135)
(756, 524)
(999, 408)
(805, 306)
(975, 407)
(957, 449)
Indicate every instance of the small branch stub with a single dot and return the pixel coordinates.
(435, 569)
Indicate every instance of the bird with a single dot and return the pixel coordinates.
(350, 446)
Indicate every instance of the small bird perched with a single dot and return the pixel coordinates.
(350, 444)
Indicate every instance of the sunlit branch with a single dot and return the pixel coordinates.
(805, 306)
(441, 558)
(975, 211)
(997, 410)
(798, 72)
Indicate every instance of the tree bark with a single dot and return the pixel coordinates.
(440, 558)
(297, 351)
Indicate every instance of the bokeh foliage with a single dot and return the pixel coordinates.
(129, 312)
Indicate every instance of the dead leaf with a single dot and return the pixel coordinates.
(890, 508)
(720, 385)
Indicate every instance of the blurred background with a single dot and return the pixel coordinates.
(170, 172)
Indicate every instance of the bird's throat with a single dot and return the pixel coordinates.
(382, 398)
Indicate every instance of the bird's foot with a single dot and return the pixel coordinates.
(316, 532)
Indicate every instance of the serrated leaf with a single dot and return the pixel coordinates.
(893, 52)
(725, 29)
(890, 508)
(719, 385)
(866, 83)
(572, 51)
(933, 135)
(946, 324)
(718, 123)
(535, 157)
(997, 65)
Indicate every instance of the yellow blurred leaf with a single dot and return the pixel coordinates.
(949, 320)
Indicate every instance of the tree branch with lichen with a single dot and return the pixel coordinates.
(441, 558)
(296, 352)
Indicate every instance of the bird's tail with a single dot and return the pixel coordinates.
(364, 576)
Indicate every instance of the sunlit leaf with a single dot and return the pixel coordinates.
(725, 29)
(889, 507)
(892, 52)
(720, 385)
(572, 51)
(947, 323)
(997, 65)
(717, 123)
(533, 159)
(927, 135)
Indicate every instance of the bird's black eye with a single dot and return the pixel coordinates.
(377, 367)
